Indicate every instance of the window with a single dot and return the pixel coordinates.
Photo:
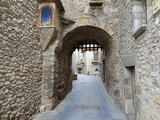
(156, 6)
(139, 15)
(95, 3)
(46, 16)
(95, 54)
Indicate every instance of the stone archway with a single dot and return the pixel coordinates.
(63, 60)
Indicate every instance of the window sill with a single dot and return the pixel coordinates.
(140, 31)
(52, 26)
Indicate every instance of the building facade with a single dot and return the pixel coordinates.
(87, 62)
(139, 56)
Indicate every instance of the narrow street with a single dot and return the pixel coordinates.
(87, 101)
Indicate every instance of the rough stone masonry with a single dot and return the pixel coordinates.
(144, 50)
(35, 61)
(20, 60)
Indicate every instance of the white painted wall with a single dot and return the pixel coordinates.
(87, 57)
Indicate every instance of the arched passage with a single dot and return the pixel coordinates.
(64, 50)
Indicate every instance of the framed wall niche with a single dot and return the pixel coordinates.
(46, 16)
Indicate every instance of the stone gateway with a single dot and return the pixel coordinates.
(37, 43)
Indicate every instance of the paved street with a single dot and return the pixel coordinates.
(87, 101)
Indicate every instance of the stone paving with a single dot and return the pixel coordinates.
(87, 101)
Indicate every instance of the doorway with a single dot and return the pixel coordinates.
(132, 82)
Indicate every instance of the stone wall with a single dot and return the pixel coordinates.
(104, 17)
(144, 52)
(20, 60)
(63, 77)
(49, 37)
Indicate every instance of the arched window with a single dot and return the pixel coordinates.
(46, 16)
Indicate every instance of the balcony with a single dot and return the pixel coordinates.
(95, 3)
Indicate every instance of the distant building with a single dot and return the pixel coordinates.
(87, 62)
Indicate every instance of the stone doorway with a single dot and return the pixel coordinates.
(132, 78)
(132, 92)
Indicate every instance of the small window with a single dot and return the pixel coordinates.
(156, 6)
(139, 14)
(46, 16)
(95, 54)
(95, 3)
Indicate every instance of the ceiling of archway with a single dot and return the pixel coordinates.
(85, 33)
